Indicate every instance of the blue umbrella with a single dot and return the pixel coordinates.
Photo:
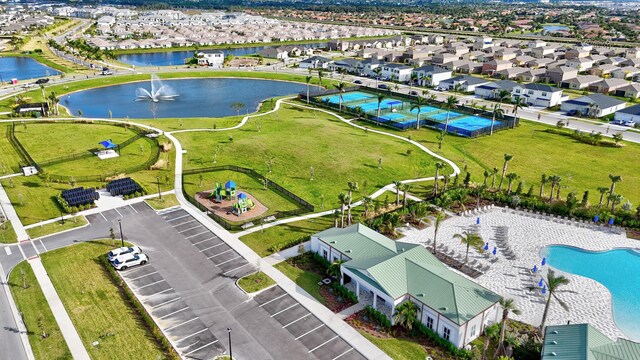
(535, 268)
(478, 220)
(541, 282)
(596, 218)
(611, 221)
(495, 250)
(544, 261)
(544, 289)
(486, 246)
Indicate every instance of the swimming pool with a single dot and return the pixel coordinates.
(616, 269)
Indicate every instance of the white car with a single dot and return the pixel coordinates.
(123, 262)
(123, 250)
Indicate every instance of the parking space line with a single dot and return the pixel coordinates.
(118, 212)
(182, 323)
(194, 334)
(218, 254)
(210, 247)
(132, 208)
(189, 237)
(201, 241)
(176, 218)
(188, 222)
(141, 276)
(44, 247)
(153, 283)
(200, 348)
(324, 343)
(160, 292)
(191, 228)
(224, 262)
(283, 310)
(239, 267)
(296, 320)
(175, 312)
(105, 219)
(7, 249)
(274, 299)
(167, 302)
(310, 331)
(339, 356)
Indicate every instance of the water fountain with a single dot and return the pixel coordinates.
(159, 91)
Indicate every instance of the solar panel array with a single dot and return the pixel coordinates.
(80, 196)
(125, 186)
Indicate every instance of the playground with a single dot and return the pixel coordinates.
(227, 201)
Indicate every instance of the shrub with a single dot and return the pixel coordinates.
(441, 342)
(322, 261)
(343, 292)
(285, 245)
(377, 317)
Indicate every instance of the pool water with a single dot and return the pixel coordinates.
(616, 269)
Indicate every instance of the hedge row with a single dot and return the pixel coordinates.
(343, 292)
(377, 317)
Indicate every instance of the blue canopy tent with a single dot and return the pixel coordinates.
(108, 144)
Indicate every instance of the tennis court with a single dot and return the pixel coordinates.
(471, 123)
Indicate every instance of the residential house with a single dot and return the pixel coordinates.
(442, 58)
(536, 44)
(539, 63)
(576, 53)
(397, 72)
(584, 342)
(631, 62)
(560, 74)
(465, 83)
(482, 43)
(594, 105)
(315, 62)
(212, 58)
(431, 75)
(603, 70)
(629, 114)
(606, 86)
(632, 53)
(532, 75)
(582, 64)
(491, 67)
(580, 82)
(369, 65)
(385, 273)
(543, 51)
(627, 72)
(492, 89)
(538, 94)
(273, 52)
(631, 91)
(522, 60)
(506, 54)
(510, 73)
(349, 65)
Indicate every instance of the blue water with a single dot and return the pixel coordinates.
(173, 58)
(615, 269)
(23, 68)
(552, 28)
(471, 123)
(198, 98)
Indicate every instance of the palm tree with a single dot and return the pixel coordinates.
(507, 158)
(343, 202)
(334, 269)
(406, 315)
(417, 105)
(439, 165)
(490, 332)
(555, 181)
(553, 283)
(543, 180)
(353, 186)
(471, 240)
(486, 175)
(497, 112)
(308, 79)
(397, 184)
(518, 103)
(237, 106)
(405, 189)
(617, 137)
(494, 172)
(436, 226)
(614, 179)
(511, 177)
(366, 202)
(508, 306)
(381, 98)
(320, 75)
(503, 95)
(377, 71)
(614, 199)
(412, 80)
(450, 103)
(602, 191)
(340, 87)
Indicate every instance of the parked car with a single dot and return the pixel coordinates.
(573, 112)
(28, 85)
(107, 72)
(617, 122)
(42, 81)
(629, 123)
(357, 82)
(123, 250)
(383, 86)
(123, 262)
(413, 92)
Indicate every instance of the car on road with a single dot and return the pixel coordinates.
(413, 92)
(42, 81)
(123, 250)
(383, 86)
(28, 85)
(572, 112)
(357, 82)
(123, 262)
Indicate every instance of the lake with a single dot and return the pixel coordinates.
(23, 68)
(554, 28)
(197, 98)
(172, 58)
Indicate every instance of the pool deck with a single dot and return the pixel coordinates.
(528, 234)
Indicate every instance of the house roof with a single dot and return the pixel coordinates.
(540, 87)
(603, 101)
(633, 110)
(398, 269)
(432, 69)
(584, 342)
(502, 84)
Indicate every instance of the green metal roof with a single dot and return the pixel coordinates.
(583, 341)
(398, 268)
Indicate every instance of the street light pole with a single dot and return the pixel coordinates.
(121, 236)
(158, 182)
(230, 351)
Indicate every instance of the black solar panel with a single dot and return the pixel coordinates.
(80, 196)
(124, 187)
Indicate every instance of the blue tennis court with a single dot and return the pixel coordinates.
(373, 106)
(393, 116)
(443, 116)
(348, 97)
(471, 123)
(424, 110)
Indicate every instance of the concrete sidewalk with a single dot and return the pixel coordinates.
(286, 254)
(11, 214)
(69, 332)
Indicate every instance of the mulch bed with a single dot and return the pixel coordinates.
(334, 303)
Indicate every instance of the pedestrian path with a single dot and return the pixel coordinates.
(356, 308)
(286, 254)
(11, 214)
(69, 332)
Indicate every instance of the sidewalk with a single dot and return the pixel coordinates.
(286, 254)
(69, 332)
(10, 213)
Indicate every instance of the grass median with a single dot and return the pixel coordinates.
(56, 227)
(255, 282)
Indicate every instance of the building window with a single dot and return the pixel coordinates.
(473, 331)
(446, 333)
(325, 254)
(517, 91)
(530, 92)
(544, 94)
(430, 322)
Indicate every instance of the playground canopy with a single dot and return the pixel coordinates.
(108, 144)
(230, 185)
(242, 196)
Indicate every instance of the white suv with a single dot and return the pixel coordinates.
(123, 250)
(123, 262)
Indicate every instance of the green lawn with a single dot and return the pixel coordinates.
(261, 241)
(7, 235)
(296, 140)
(398, 349)
(97, 308)
(535, 152)
(255, 282)
(56, 227)
(269, 198)
(305, 279)
(9, 158)
(44, 334)
(167, 201)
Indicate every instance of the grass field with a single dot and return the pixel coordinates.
(398, 349)
(9, 158)
(535, 152)
(7, 235)
(261, 241)
(96, 307)
(56, 227)
(167, 201)
(305, 279)
(255, 282)
(44, 334)
(296, 140)
(269, 198)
